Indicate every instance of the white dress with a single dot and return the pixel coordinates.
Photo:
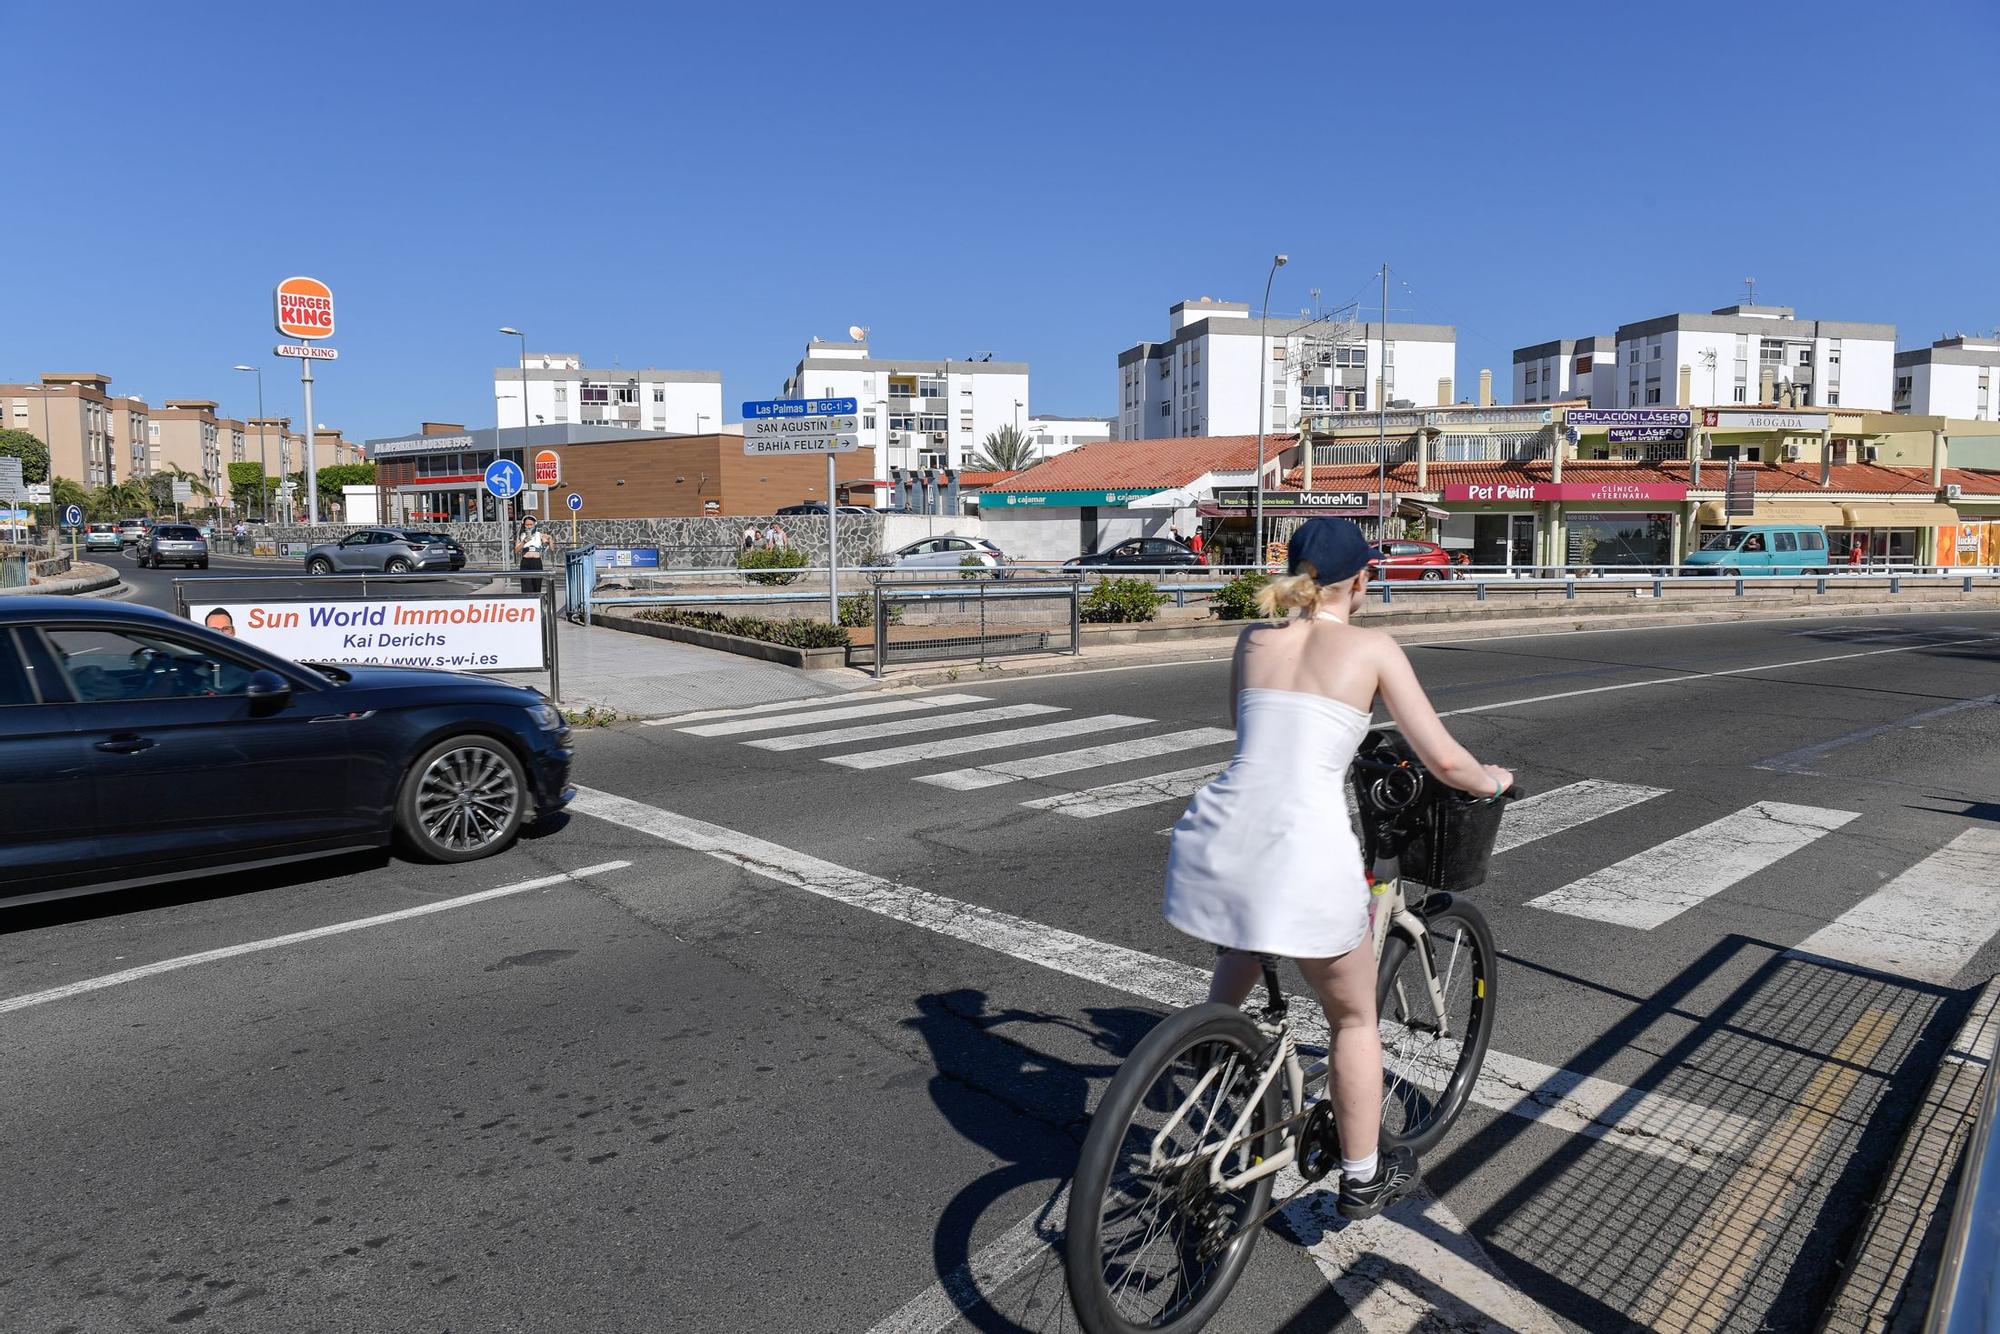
(1265, 859)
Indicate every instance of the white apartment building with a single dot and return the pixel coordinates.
(916, 413)
(1202, 381)
(1567, 368)
(561, 389)
(1953, 377)
(1748, 354)
(1058, 435)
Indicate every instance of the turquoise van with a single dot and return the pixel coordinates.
(1761, 548)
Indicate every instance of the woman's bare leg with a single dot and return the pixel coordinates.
(1235, 974)
(1346, 988)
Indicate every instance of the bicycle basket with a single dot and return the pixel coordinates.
(1452, 844)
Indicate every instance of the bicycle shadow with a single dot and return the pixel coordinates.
(1004, 1084)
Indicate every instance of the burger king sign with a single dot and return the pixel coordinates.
(304, 308)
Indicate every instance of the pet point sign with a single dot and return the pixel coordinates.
(304, 308)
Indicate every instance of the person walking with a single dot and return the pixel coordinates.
(771, 533)
(749, 536)
(1196, 545)
(241, 531)
(530, 547)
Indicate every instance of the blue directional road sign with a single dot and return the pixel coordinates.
(575, 502)
(72, 515)
(503, 478)
(799, 407)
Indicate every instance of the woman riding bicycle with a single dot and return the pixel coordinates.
(1265, 862)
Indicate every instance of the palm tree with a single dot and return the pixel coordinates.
(1005, 450)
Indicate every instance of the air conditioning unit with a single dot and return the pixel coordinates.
(1870, 453)
(1792, 452)
(895, 437)
(937, 437)
(1952, 491)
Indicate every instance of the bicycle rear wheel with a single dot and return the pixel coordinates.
(1430, 1062)
(1150, 1245)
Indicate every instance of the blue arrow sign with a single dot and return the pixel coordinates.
(575, 502)
(73, 515)
(800, 407)
(503, 478)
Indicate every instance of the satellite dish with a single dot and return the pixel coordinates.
(857, 333)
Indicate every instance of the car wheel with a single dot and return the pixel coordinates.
(1732, 574)
(203, 563)
(319, 565)
(1433, 573)
(397, 566)
(462, 800)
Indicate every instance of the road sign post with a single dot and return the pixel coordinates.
(303, 308)
(505, 480)
(575, 503)
(808, 426)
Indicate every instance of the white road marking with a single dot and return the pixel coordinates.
(1548, 813)
(779, 706)
(768, 723)
(972, 1283)
(978, 741)
(69, 989)
(1112, 798)
(1091, 757)
(1929, 921)
(936, 722)
(1570, 1103)
(1800, 761)
(1659, 884)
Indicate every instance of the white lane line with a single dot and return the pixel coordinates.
(936, 722)
(1659, 884)
(1112, 798)
(946, 747)
(1929, 921)
(769, 723)
(972, 1284)
(1644, 1122)
(1548, 813)
(778, 706)
(1800, 761)
(1091, 757)
(69, 989)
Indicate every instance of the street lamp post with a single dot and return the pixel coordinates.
(1263, 404)
(263, 464)
(507, 506)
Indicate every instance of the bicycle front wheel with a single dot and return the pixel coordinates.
(1150, 1243)
(1431, 1058)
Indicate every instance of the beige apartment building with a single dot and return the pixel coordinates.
(72, 413)
(131, 437)
(187, 433)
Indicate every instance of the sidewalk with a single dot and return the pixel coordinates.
(655, 678)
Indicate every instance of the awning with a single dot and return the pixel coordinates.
(1823, 512)
(1900, 516)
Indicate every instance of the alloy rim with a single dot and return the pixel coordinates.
(467, 799)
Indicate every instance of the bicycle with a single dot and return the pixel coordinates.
(1211, 1107)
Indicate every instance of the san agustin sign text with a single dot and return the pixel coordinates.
(1586, 491)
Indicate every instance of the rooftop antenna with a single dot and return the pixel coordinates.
(857, 334)
(1315, 297)
(1751, 285)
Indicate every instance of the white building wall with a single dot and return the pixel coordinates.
(1868, 373)
(1058, 435)
(992, 398)
(682, 407)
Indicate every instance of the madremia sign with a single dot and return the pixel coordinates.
(485, 634)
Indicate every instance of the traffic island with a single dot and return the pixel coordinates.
(74, 577)
(788, 655)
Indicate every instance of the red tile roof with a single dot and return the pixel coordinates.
(971, 479)
(1117, 465)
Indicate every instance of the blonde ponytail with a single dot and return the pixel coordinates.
(1301, 592)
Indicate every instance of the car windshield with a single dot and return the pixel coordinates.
(439, 538)
(1722, 542)
(178, 533)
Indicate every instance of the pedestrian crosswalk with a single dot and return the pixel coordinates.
(1924, 919)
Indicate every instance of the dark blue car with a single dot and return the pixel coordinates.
(135, 746)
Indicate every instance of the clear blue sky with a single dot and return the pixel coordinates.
(707, 186)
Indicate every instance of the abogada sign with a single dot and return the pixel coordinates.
(486, 634)
(304, 308)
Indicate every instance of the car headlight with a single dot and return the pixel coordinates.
(546, 717)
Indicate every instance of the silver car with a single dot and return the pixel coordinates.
(385, 551)
(173, 544)
(950, 553)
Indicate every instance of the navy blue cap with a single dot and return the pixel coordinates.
(1334, 548)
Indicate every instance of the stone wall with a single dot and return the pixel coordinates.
(685, 544)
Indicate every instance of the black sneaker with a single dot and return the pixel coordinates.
(1395, 1176)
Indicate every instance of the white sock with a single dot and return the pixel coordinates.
(1360, 1169)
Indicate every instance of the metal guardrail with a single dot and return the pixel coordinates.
(1967, 1297)
(1010, 638)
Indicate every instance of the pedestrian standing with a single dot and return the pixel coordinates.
(242, 534)
(771, 534)
(1857, 551)
(749, 536)
(783, 538)
(530, 547)
(1195, 543)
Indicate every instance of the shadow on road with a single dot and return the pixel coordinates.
(88, 906)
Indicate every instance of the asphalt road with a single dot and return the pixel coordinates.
(809, 1036)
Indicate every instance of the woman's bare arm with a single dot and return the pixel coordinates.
(1435, 746)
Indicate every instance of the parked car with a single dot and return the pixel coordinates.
(819, 507)
(1406, 558)
(136, 746)
(386, 551)
(132, 531)
(173, 544)
(949, 553)
(102, 537)
(1140, 551)
(1761, 548)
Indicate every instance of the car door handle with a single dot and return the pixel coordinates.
(125, 743)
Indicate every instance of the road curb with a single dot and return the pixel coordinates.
(1889, 1275)
(75, 584)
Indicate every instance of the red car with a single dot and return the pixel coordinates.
(1405, 559)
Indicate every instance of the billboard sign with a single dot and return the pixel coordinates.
(1597, 492)
(1628, 417)
(1755, 419)
(1242, 497)
(1646, 435)
(304, 308)
(306, 351)
(754, 409)
(800, 435)
(548, 468)
(626, 558)
(477, 634)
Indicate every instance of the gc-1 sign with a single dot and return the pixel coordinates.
(799, 407)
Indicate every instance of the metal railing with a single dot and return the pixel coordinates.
(1967, 1296)
(1014, 634)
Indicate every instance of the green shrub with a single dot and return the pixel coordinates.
(1122, 601)
(971, 567)
(795, 633)
(859, 609)
(1237, 599)
(767, 564)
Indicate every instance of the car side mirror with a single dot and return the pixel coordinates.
(268, 692)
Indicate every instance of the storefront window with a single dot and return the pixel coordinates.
(1495, 541)
(1620, 539)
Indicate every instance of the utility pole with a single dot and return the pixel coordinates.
(1382, 421)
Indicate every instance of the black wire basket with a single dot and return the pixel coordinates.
(1451, 845)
